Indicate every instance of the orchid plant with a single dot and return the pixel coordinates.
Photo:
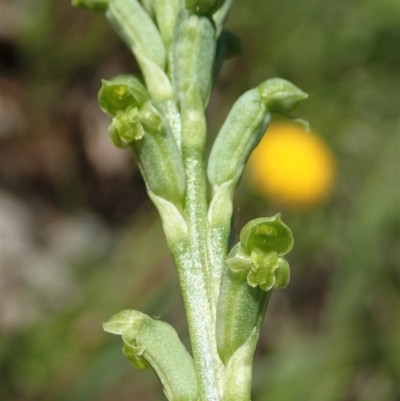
(180, 46)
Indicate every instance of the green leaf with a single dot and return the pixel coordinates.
(153, 343)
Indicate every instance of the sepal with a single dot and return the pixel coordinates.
(153, 343)
(121, 92)
(268, 234)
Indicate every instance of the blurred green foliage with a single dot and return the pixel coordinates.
(334, 333)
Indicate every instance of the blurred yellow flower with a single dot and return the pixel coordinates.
(292, 166)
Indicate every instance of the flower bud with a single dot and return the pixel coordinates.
(194, 49)
(244, 127)
(239, 135)
(166, 12)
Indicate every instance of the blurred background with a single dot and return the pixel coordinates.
(81, 241)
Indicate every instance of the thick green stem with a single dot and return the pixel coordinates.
(192, 259)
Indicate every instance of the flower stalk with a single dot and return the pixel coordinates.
(179, 46)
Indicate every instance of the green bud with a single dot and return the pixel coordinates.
(153, 343)
(245, 126)
(239, 135)
(149, 136)
(166, 12)
(96, 5)
(194, 49)
(280, 95)
(121, 92)
(137, 29)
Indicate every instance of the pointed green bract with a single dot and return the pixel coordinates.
(153, 343)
